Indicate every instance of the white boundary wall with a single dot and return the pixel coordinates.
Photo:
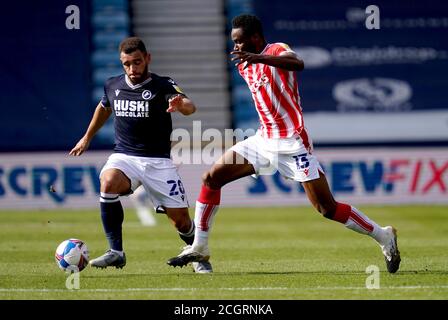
(358, 176)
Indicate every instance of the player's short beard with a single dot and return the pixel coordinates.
(142, 78)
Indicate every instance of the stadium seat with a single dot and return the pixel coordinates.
(105, 58)
(115, 20)
(100, 75)
(109, 5)
(109, 39)
(110, 25)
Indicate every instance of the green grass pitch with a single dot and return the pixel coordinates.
(257, 253)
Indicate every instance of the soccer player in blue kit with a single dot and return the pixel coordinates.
(141, 102)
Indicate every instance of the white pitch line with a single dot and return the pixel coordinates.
(136, 289)
(224, 289)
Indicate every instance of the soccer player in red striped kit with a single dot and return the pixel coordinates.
(281, 143)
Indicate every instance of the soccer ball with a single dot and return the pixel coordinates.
(72, 255)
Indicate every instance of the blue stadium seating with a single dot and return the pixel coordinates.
(109, 40)
(110, 20)
(100, 75)
(104, 58)
(112, 5)
(110, 25)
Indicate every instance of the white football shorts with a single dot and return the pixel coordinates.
(289, 156)
(158, 176)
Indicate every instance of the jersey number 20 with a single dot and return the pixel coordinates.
(174, 186)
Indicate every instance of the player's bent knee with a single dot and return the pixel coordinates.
(209, 179)
(205, 177)
(107, 184)
(114, 181)
(110, 185)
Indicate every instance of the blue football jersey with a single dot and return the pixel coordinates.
(142, 125)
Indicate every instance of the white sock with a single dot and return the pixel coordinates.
(360, 223)
(203, 218)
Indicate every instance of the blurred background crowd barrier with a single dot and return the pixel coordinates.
(374, 101)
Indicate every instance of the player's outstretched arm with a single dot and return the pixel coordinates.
(99, 118)
(182, 104)
(286, 60)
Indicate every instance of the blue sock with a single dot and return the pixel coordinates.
(112, 216)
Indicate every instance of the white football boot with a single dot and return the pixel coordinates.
(189, 254)
(389, 246)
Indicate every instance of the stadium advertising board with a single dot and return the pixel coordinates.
(361, 85)
(359, 176)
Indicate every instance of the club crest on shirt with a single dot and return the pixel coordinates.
(146, 94)
(263, 80)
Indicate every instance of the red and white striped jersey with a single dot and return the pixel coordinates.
(276, 95)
